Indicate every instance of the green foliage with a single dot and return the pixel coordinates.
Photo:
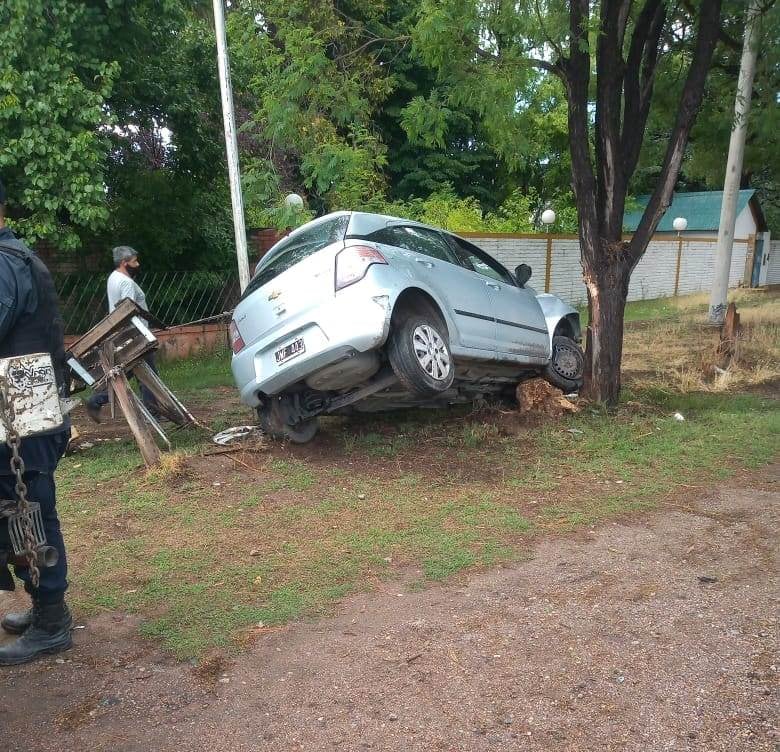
(167, 178)
(705, 164)
(54, 83)
(520, 212)
(311, 87)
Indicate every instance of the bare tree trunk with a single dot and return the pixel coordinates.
(607, 288)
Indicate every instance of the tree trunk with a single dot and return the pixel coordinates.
(607, 287)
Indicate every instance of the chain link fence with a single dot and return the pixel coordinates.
(175, 298)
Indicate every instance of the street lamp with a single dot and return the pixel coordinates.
(548, 219)
(293, 201)
(680, 224)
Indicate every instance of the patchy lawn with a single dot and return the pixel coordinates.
(211, 550)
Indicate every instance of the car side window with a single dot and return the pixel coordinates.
(415, 239)
(473, 258)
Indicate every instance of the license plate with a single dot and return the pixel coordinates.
(283, 354)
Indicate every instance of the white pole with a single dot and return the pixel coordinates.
(728, 210)
(231, 145)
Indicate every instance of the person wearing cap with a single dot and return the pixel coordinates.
(30, 322)
(121, 285)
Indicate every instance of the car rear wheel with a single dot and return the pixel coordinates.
(419, 353)
(273, 417)
(567, 365)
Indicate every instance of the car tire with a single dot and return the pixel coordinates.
(566, 368)
(420, 356)
(273, 421)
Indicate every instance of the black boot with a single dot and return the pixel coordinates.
(49, 632)
(17, 623)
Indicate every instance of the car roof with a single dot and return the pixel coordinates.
(364, 223)
(360, 224)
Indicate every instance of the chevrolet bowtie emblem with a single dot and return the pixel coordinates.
(274, 295)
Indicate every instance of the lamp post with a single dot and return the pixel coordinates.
(680, 224)
(231, 144)
(548, 219)
(293, 201)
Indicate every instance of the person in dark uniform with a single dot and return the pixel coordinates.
(30, 322)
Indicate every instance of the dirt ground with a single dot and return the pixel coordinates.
(657, 632)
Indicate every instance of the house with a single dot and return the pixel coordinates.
(702, 210)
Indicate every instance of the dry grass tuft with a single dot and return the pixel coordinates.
(172, 468)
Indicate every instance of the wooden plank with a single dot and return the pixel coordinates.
(111, 325)
(143, 436)
(117, 318)
(162, 394)
(157, 386)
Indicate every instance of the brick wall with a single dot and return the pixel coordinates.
(98, 258)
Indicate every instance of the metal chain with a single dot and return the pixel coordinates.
(14, 443)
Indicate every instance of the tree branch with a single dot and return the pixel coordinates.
(640, 80)
(554, 45)
(576, 70)
(610, 67)
(690, 102)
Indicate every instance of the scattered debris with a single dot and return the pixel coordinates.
(237, 434)
(679, 417)
(539, 396)
(114, 349)
(706, 579)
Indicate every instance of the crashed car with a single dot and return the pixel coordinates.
(365, 312)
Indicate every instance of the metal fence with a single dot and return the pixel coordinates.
(173, 297)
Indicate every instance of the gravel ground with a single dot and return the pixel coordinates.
(654, 633)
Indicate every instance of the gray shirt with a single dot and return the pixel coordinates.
(119, 287)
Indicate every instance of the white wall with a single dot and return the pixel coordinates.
(745, 226)
(654, 276)
(773, 270)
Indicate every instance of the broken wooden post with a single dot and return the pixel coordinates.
(111, 351)
(729, 335)
(118, 385)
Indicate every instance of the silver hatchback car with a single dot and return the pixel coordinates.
(365, 312)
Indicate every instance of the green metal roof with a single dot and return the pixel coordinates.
(701, 209)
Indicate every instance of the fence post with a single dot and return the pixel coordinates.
(548, 266)
(679, 261)
(750, 258)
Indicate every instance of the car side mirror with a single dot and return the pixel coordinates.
(522, 274)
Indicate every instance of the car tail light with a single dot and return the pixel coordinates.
(236, 340)
(352, 264)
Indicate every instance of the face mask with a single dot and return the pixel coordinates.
(132, 270)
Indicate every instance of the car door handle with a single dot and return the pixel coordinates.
(425, 263)
(493, 285)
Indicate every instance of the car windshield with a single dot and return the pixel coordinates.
(296, 248)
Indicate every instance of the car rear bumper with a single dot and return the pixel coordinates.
(352, 321)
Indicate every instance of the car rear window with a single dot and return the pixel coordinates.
(296, 248)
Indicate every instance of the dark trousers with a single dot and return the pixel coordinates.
(101, 398)
(41, 455)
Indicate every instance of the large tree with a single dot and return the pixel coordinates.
(54, 83)
(607, 56)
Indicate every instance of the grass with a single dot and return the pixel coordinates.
(198, 374)
(428, 494)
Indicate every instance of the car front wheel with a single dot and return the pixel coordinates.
(566, 368)
(419, 353)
